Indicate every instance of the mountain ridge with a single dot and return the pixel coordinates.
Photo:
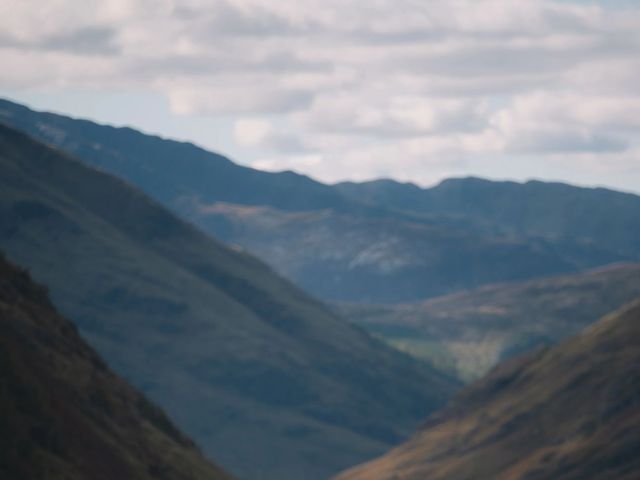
(133, 147)
(520, 207)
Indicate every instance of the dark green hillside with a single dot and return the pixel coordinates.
(65, 415)
(567, 413)
(263, 377)
(469, 332)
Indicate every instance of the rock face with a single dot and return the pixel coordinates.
(567, 413)
(65, 415)
(380, 242)
(468, 333)
(270, 382)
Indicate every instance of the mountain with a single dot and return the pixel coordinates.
(554, 210)
(391, 257)
(567, 413)
(171, 171)
(467, 333)
(324, 239)
(65, 414)
(265, 378)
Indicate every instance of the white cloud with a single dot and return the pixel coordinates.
(250, 96)
(252, 131)
(392, 115)
(352, 88)
(261, 133)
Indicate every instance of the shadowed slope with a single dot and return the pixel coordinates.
(567, 413)
(263, 377)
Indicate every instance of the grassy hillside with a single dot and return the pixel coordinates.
(262, 376)
(567, 413)
(332, 245)
(469, 332)
(65, 415)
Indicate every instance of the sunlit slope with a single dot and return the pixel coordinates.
(567, 413)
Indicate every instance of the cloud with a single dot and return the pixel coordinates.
(566, 123)
(249, 95)
(554, 140)
(86, 40)
(358, 88)
(257, 132)
(365, 113)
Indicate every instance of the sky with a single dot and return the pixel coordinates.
(415, 90)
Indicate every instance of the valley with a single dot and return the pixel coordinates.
(229, 349)
(253, 240)
(148, 246)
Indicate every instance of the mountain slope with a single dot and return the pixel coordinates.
(605, 217)
(469, 332)
(335, 247)
(568, 413)
(258, 373)
(65, 414)
(390, 257)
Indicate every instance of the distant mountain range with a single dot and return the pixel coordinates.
(598, 216)
(468, 333)
(270, 382)
(567, 413)
(65, 415)
(377, 242)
